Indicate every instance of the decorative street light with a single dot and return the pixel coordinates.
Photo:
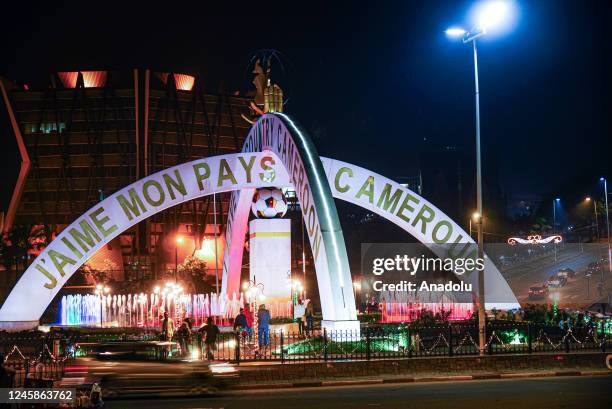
(490, 15)
(475, 217)
(254, 292)
(172, 293)
(179, 240)
(296, 290)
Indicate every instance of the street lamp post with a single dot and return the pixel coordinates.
(588, 199)
(179, 240)
(474, 216)
(471, 37)
(554, 226)
(607, 223)
(491, 14)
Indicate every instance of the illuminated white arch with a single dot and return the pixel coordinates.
(277, 154)
(374, 192)
(277, 133)
(255, 168)
(362, 188)
(41, 281)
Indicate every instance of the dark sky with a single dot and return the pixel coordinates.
(368, 79)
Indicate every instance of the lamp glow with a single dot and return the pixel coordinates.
(492, 14)
(455, 32)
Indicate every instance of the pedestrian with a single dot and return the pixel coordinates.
(263, 317)
(299, 315)
(209, 333)
(167, 332)
(240, 322)
(309, 318)
(95, 396)
(167, 327)
(249, 319)
(184, 335)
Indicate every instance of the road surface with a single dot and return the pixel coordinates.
(543, 393)
(575, 293)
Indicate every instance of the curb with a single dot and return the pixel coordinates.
(424, 379)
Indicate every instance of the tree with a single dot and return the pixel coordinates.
(192, 273)
(17, 244)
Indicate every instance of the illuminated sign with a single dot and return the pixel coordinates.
(535, 239)
(276, 154)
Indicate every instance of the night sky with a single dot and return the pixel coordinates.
(369, 80)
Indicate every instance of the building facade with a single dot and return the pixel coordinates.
(90, 133)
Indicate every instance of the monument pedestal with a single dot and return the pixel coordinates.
(342, 330)
(16, 326)
(270, 257)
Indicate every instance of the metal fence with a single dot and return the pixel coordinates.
(43, 357)
(404, 341)
(34, 360)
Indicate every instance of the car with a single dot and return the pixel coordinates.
(567, 273)
(538, 291)
(556, 281)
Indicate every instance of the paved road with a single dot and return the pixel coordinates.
(575, 293)
(544, 393)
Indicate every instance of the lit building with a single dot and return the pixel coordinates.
(86, 134)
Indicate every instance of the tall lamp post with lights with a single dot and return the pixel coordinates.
(605, 183)
(588, 199)
(554, 226)
(490, 15)
(177, 242)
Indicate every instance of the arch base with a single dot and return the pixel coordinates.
(16, 326)
(344, 330)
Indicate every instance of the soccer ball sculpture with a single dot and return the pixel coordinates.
(269, 203)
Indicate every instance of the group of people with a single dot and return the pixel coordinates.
(243, 323)
(303, 314)
(208, 332)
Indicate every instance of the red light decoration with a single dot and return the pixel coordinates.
(183, 82)
(91, 79)
(395, 312)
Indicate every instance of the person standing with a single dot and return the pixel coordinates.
(309, 318)
(299, 315)
(167, 332)
(263, 317)
(167, 327)
(249, 319)
(184, 334)
(210, 332)
(240, 322)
